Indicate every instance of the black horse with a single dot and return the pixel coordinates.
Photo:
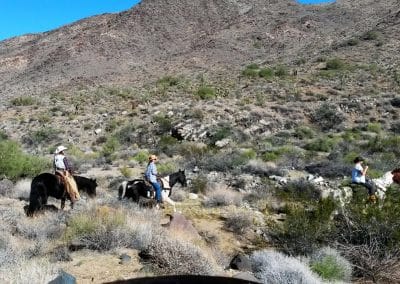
(139, 188)
(48, 185)
(87, 185)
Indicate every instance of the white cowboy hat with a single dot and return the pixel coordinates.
(60, 149)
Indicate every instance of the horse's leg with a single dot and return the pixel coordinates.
(166, 198)
(62, 203)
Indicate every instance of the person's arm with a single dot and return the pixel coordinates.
(67, 165)
(364, 171)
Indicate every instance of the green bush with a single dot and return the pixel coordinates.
(110, 147)
(164, 123)
(199, 184)
(206, 93)
(327, 117)
(23, 101)
(102, 229)
(374, 127)
(166, 168)
(44, 135)
(141, 156)
(335, 64)
(304, 132)
(330, 265)
(370, 35)
(305, 228)
(281, 71)
(321, 144)
(15, 164)
(126, 135)
(266, 73)
(353, 42)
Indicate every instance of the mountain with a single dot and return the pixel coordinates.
(159, 37)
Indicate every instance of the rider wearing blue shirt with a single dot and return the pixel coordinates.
(151, 175)
(358, 174)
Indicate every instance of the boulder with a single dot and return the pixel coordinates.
(63, 278)
(241, 262)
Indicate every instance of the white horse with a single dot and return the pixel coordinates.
(384, 182)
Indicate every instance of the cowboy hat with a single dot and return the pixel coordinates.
(358, 159)
(153, 158)
(60, 149)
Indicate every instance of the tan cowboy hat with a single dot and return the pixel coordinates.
(60, 149)
(153, 158)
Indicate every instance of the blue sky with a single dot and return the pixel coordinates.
(18, 17)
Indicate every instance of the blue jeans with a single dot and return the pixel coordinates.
(157, 187)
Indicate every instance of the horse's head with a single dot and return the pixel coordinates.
(396, 175)
(181, 178)
(91, 189)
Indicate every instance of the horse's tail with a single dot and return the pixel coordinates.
(36, 197)
(122, 190)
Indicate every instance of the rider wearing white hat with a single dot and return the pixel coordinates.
(61, 162)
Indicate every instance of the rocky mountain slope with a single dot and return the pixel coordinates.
(157, 38)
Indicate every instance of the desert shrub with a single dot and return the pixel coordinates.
(224, 161)
(323, 144)
(141, 156)
(126, 135)
(23, 101)
(384, 144)
(305, 229)
(281, 71)
(164, 123)
(374, 127)
(6, 187)
(330, 169)
(369, 237)
(330, 265)
(126, 172)
(110, 147)
(395, 127)
(166, 168)
(192, 150)
(223, 197)
(43, 135)
(335, 64)
(199, 184)
(101, 228)
(327, 117)
(299, 190)
(15, 164)
(187, 258)
(266, 73)
(166, 144)
(261, 168)
(353, 42)
(277, 153)
(46, 226)
(274, 267)
(29, 271)
(251, 71)
(206, 93)
(304, 132)
(167, 82)
(370, 35)
(222, 132)
(9, 253)
(239, 222)
(3, 135)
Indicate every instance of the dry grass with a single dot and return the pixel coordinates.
(223, 196)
